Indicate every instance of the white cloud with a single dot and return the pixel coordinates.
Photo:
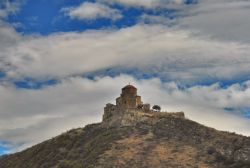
(211, 42)
(226, 20)
(156, 19)
(146, 3)
(172, 53)
(31, 116)
(8, 38)
(219, 19)
(89, 11)
(8, 7)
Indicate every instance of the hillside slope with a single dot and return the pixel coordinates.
(171, 142)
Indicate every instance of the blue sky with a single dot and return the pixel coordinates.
(3, 148)
(60, 57)
(45, 17)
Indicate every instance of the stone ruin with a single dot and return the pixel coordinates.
(129, 110)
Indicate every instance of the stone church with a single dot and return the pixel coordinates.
(129, 109)
(130, 100)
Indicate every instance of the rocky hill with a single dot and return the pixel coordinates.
(171, 142)
(132, 135)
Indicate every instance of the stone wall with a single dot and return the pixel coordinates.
(115, 116)
(132, 117)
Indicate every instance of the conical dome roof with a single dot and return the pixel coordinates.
(129, 87)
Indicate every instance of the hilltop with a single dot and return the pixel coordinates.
(132, 135)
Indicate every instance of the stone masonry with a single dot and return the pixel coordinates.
(129, 110)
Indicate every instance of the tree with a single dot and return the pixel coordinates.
(156, 108)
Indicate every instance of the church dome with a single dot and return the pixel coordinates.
(129, 90)
(128, 87)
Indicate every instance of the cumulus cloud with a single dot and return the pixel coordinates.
(90, 10)
(202, 17)
(31, 116)
(172, 53)
(9, 37)
(219, 19)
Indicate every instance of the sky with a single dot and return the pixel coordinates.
(62, 61)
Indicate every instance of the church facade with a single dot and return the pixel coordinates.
(129, 109)
(128, 101)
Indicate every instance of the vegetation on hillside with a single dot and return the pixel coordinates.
(172, 142)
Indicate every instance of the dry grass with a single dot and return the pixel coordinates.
(154, 152)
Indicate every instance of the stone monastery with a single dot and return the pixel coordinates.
(129, 110)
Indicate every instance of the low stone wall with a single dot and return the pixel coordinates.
(130, 117)
(133, 117)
